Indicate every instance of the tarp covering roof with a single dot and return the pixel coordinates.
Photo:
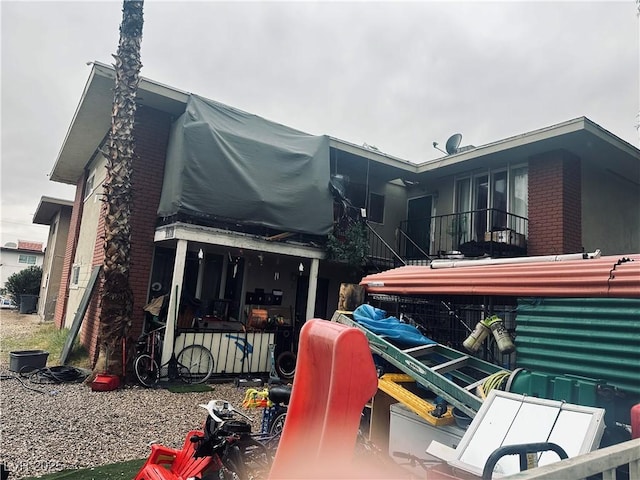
(610, 276)
(226, 164)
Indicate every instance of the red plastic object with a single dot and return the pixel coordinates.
(335, 377)
(166, 463)
(105, 383)
(635, 421)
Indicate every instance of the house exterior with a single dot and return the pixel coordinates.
(16, 257)
(231, 212)
(56, 213)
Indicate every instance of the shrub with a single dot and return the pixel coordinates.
(24, 282)
(352, 247)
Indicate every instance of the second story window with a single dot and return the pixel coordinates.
(375, 212)
(88, 186)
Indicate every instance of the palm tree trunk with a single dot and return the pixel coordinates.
(117, 297)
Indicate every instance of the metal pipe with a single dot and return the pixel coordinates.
(501, 261)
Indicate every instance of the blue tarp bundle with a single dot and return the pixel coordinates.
(392, 329)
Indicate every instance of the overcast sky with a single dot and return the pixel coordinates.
(396, 75)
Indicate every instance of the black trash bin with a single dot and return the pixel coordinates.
(28, 303)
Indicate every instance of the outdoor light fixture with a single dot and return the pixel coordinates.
(301, 268)
(200, 254)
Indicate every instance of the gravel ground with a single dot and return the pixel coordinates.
(64, 426)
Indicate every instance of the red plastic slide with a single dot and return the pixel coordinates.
(335, 377)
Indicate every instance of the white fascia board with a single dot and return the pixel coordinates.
(611, 138)
(376, 156)
(225, 238)
(147, 85)
(506, 144)
(87, 85)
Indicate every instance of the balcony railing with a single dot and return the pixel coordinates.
(474, 233)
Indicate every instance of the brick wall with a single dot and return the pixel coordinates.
(70, 253)
(555, 212)
(152, 135)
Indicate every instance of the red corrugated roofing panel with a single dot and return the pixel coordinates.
(611, 276)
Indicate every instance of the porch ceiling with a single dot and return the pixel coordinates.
(170, 234)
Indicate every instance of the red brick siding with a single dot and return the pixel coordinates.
(91, 332)
(152, 135)
(555, 218)
(70, 253)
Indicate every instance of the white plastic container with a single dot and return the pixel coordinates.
(410, 434)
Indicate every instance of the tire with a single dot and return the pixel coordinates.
(276, 426)
(147, 370)
(286, 365)
(195, 364)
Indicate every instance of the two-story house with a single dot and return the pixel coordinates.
(231, 212)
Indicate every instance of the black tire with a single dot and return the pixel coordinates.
(195, 364)
(286, 365)
(147, 370)
(277, 424)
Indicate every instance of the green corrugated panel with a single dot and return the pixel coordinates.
(597, 338)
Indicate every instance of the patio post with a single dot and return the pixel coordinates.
(174, 299)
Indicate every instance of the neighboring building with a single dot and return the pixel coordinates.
(16, 257)
(57, 214)
(231, 212)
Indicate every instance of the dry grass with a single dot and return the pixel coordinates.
(27, 332)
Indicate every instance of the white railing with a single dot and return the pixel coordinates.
(604, 461)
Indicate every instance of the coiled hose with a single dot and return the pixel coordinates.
(496, 381)
(59, 374)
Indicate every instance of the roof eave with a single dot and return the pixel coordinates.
(91, 120)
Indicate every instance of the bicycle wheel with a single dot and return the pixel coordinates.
(147, 370)
(198, 362)
(277, 424)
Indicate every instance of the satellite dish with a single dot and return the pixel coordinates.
(453, 143)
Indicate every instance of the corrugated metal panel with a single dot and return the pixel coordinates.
(612, 276)
(591, 337)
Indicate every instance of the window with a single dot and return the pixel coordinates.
(75, 276)
(28, 259)
(504, 191)
(88, 186)
(519, 197)
(375, 212)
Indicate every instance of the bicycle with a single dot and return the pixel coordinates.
(193, 364)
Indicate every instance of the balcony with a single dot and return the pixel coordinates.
(474, 233)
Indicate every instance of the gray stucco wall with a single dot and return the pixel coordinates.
(610, 212)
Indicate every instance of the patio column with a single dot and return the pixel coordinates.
(174, 299)
(313, 285)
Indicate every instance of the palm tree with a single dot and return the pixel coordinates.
(117, 297)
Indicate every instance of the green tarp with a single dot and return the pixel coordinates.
(226, 164)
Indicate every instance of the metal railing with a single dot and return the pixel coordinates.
(604, 461)
(475, 233)
(381, 256)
